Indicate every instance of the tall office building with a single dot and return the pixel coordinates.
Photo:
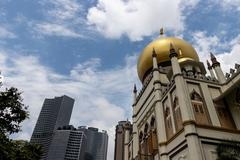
(121, 140)
(181, 113)
(68, 143)
(97, 143)
(55, 113)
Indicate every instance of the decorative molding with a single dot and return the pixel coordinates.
(191, 134)
(156, 82)
(178, 74)
(189, 122)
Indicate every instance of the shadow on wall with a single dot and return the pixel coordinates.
(88, 156)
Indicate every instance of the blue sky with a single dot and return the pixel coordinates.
(88, 49)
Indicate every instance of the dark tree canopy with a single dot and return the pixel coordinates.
(12, 113)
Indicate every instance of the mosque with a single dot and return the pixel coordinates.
(180, 113)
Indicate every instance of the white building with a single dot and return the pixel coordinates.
(180, 113)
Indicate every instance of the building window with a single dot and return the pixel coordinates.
(168, 123)
(199, 110)
(153, 137)
(177, 114)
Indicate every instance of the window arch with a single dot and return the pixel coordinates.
(146, 129)
(199, 110)
(152, 123)
(140, 137)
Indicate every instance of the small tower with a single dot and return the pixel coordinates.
(218, 70)
(210, 69)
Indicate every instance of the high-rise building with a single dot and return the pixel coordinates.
(180, 112)
(97, 143)
(67, 143)
(55, 113)
(121, 141)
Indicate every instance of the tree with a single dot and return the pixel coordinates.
(26, 151)
(228, 150)
(12, 113)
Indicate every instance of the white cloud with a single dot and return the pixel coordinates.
(56, 30)
(137, 18)
(63, 18)
(102, 97)
(4, 33)
(62, 9)
(229, 4)
(228, 59)
(204, 44)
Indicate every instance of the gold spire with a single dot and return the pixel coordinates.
(161, 31)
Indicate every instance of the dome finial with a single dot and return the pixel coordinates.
(161, 32)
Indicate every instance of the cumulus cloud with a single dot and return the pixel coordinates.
(137, 18)
(102, 97)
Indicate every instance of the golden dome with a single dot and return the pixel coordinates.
(162, 46)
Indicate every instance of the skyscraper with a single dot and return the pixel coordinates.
(68, 143)
(97, 143)
(180, 112)
(55, 113)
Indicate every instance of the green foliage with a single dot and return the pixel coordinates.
(229, 150)
(12, 113)
(26, 151)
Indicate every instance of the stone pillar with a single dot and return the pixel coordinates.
(210, 106)
(159, 112)
(134, 131)
(218, 70)
(126, 141)
(135, 139)
(210, 70)
(186, 109)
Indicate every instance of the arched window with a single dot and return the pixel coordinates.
(140, 137)
(168, 122)
(153, 137)
(145, 148)
(141, 143)
(199, 110)
(146, 130)
(177, 114)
